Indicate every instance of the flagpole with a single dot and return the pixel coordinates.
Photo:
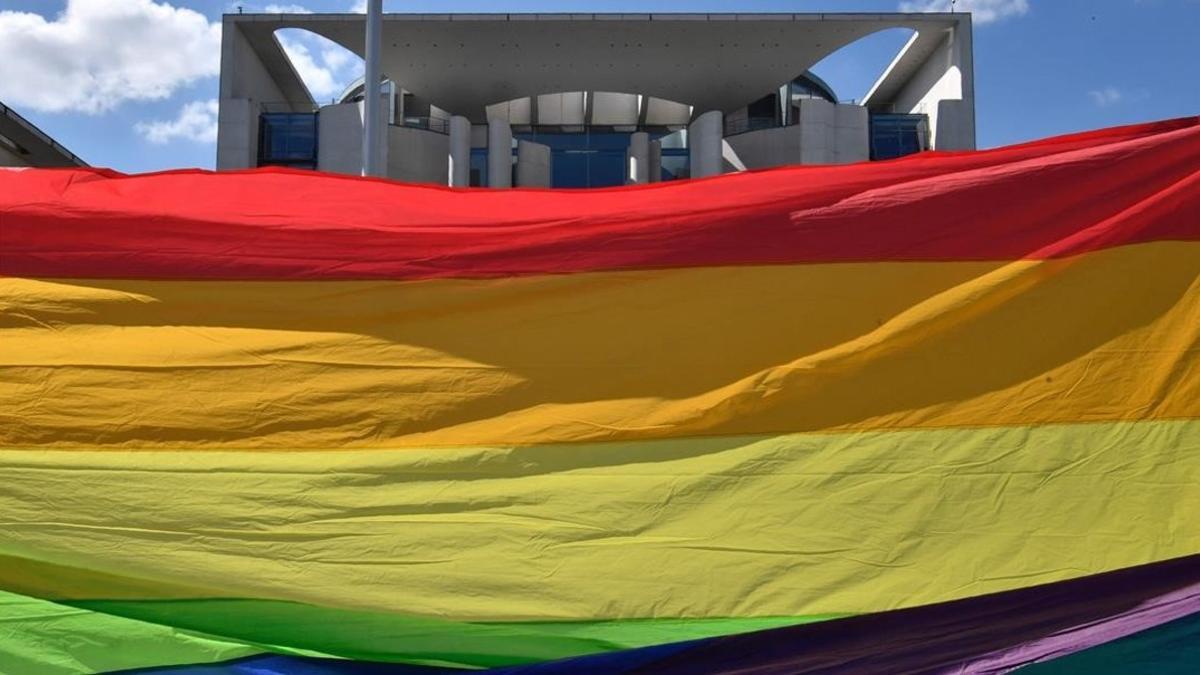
(373, 131)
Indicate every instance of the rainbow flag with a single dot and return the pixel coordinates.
(934, 414)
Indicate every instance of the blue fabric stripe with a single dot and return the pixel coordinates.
(274, 664)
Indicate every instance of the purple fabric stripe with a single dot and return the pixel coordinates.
(986, 634)
(1151, 613)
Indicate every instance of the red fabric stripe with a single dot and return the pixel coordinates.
(1050, 198)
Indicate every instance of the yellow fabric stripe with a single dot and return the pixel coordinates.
(724, 527)
(1108, 335)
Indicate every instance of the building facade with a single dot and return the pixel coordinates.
(590, 100)
(22, 144)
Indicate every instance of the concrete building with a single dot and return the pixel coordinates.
(578, 100)
(22, 144)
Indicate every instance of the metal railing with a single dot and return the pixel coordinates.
(440, 125)
(40, 135)
(287, 107)
(741, 125)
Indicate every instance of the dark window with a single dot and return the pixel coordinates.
(676, 164)
(592, 156)
(767, 112)
(810, 86)
(287, 139)
(582, 159)
(896, 135)
(479, 167)
(763, 113)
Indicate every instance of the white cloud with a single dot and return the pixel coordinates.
(96, 54)
(982, 11)
(197, 121)
(317, 76)
(1106, 96)
(339, 58)
(271, 8)
(325, 66)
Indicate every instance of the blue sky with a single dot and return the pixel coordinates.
(130, 84)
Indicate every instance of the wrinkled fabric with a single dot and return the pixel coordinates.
(243, 417)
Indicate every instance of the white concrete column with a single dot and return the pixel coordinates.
(237, 134)
(533, 164)
(705, 134)
(952, 120)
(339, 128)
(654, 167)
(460, 152)
(817, 127)
(499, 154)
(637, 167)
(851, 134)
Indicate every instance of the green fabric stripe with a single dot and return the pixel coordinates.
(632, 633)
(379, 636)
(47, 638)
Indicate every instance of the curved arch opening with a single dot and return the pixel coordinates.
(325, 67)
(856, 67)
(853, 68)
(835, 129)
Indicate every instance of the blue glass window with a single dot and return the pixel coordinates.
(676, 164)
(895, 135)
(287, 139)
(589, 158)
(595, 156)
(479, 167)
